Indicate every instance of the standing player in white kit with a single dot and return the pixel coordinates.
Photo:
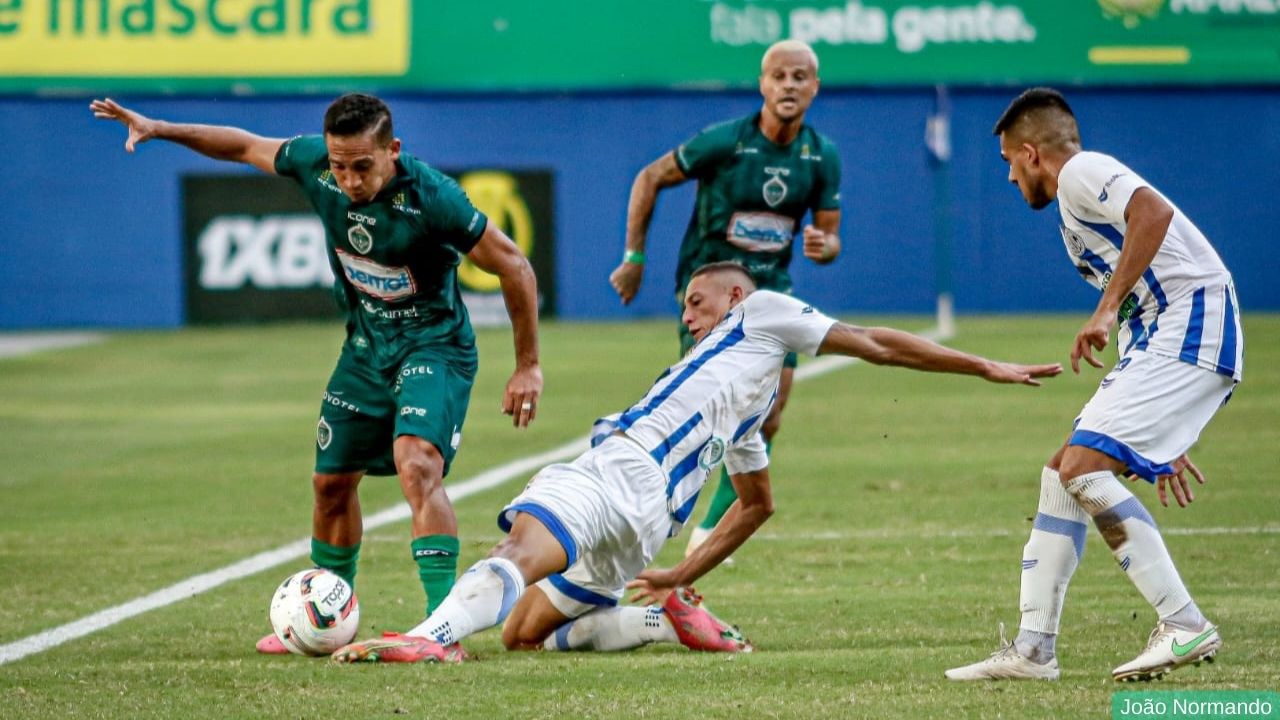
(1181, 355)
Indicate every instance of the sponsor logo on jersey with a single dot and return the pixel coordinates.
(712, 453)
(376, 280)
(400, 202)
(324, 434)
(760, 231)
(325, 178)
(361, 239)
(334, 400)
(456, 439)
(276, 251)
(360, 218)
(745, 150)
(398, 314)
(775, 190)
(414, 411)
(1102, 197)
(806, 155)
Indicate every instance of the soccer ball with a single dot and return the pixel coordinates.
(314, 612)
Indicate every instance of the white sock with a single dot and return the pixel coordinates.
(613, 628)
(481, 598)
(1049, 559)
(1135, 542)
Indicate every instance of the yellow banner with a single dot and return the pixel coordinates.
(203, 38)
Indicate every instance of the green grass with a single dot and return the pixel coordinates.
(903, 503)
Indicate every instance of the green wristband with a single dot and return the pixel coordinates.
(636, 257)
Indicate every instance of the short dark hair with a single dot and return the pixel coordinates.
(1039, 98)
(356, 114)
(1041, 116)
(725, 266)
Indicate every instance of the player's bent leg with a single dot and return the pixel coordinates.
(435, 547)
(336, 532)
(532, 621)
(483, 597)
(1182, 635)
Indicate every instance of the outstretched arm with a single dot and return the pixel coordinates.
(1147, 219)
(886, 346)
(657, 175)
(752, 508)
(217, 142)
(496, 253)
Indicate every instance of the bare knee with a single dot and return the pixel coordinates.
(531, 621)
(333, 491)
(519, 636)
(419, 463)
(1076, 460)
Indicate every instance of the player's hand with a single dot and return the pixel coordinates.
(141, 127)
(520, 400)
(818, 246)
(1000, 372)
(653, 586)
(1095, 335)
(1178, 482)
(626, 279)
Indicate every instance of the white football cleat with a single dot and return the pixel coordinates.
(1169, 648)
(697, 536)
(1006, 664)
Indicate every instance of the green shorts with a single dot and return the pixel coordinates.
(687, 342)
(363, 411)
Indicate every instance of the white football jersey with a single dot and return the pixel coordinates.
(709, 406)
(1184, 306)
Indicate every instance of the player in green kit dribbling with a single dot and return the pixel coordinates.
(757, 178)
(396, 231)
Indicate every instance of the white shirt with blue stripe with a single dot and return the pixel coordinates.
(1184, 306)
(709, 406)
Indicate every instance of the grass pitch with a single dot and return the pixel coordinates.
(903, 503)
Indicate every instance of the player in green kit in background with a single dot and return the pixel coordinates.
(757, 178)
(396, 230)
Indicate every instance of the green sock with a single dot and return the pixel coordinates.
(724, 497)
(437, 558)
(341, 560)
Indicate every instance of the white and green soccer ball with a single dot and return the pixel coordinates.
(314, 612)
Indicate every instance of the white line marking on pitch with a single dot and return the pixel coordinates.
(198, 584)
(18, 344)
(896, 533)
(193, 586)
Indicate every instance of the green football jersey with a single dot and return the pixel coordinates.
(752, 196)
(395, 258)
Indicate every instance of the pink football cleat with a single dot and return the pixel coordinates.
(697, 628)
(271, 645)
(393, 647)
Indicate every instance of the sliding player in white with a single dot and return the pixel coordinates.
(1181, 355)
(580, 531)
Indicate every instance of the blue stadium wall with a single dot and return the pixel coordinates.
(93, 236)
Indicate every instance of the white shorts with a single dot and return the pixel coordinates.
(1149, 410)
(608, 509)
